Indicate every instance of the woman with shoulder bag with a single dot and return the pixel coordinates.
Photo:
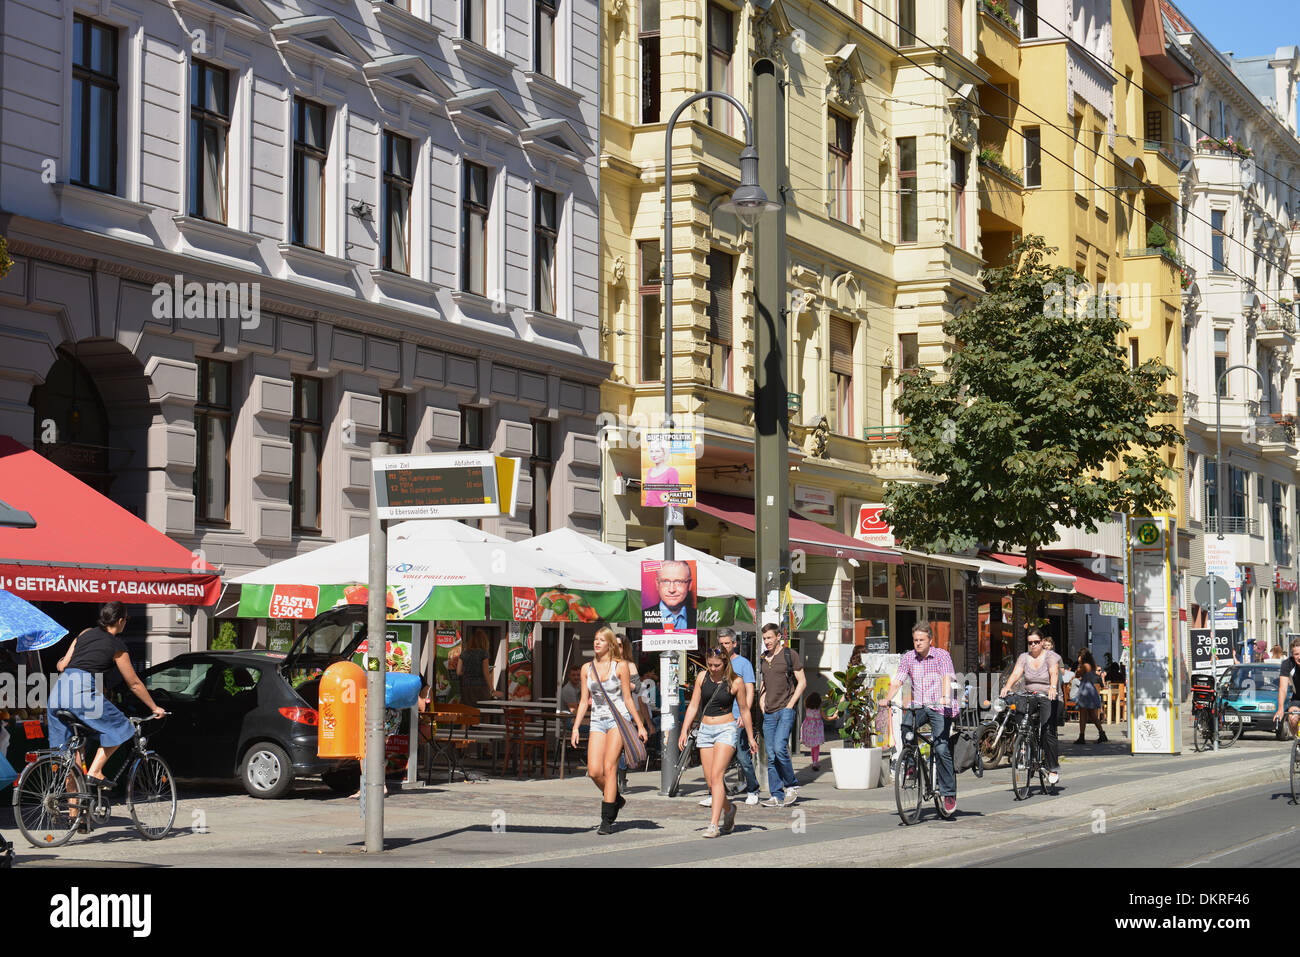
(1088, 699)
(606, 685)
(719, 687)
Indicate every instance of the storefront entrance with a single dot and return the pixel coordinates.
(904, 618)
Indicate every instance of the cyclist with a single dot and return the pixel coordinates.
(1041, 673)
(931, 674)
(80, 688)
(720, 688)
(1290, 675)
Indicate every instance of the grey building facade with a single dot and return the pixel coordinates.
(249, 238)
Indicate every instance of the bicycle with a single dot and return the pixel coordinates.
(914, 773)
(52, 798)
(733, 779)
(1214, 717)
(1295, 754)
(1027, 751)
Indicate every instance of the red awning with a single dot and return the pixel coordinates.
(1086, 582)
(813, 538)
(86, 547)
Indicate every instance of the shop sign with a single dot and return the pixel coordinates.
(815, 501)
(872, 529)
(1284, 584)
(293, 601)
(279, 635)
(1204, 644)
(1111, 609)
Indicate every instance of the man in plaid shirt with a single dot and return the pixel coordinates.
(931, 674)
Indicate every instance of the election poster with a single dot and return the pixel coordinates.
(668, 468)
(668, 610)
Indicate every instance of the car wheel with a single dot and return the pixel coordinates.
(342, 782)
(267, 771)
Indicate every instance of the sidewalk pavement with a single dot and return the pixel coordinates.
(549, 821)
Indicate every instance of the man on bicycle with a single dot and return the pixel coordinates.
(1290, 674)
(930, 671)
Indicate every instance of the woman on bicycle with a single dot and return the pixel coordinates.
(1041, 674)
(606, 678)
(80, 688)
(719, 687)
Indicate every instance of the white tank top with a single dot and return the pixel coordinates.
(613, 686)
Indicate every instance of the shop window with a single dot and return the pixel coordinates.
(879, 580)
(936, 583)
(917, 578)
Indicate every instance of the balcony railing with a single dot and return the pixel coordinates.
(1283, 434)
(1175, 151)
(1232, 525)
(881, 433)
(1190, 402)
(1276, 318)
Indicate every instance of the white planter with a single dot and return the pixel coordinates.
(856, 769)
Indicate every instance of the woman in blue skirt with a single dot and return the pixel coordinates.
(80, 688)
(1088, 699)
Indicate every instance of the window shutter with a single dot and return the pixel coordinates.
(954, 24)
(719, 287)
(841, 347)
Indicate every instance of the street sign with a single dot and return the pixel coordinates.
(452, 485)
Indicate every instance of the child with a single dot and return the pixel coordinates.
(813, 732)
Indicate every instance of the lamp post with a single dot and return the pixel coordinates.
(1218, 521)
(747, 203)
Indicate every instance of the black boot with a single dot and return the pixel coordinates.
(608, 809)
(618, 806)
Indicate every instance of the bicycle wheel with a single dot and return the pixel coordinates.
(151, 796)
(46, 808)
(991, 755)
(1204, 740)
(1021, 766)
(1295, 771)
(1229, 730)
(683, 761)
(907, 785)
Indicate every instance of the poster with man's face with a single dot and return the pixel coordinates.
(668, 468)
(668, 599)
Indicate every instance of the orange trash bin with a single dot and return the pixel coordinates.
(341, 705)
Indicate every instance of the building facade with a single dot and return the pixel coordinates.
(250, 238)
(1240, 190)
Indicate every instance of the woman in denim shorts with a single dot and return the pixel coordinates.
(605, 679)
(718, 736)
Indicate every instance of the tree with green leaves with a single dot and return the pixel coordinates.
(1038, 420)
(5, 262)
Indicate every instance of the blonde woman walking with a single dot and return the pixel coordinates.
(606, 679)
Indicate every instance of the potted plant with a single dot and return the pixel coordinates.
(856, 765)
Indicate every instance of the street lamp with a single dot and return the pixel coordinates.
(747, 203)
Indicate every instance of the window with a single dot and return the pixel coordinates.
(721, 276)
(1238, 480)
(1029, 29)
(907, 23)
(1221, 360)
(842, 374)
(909, 352)
(650, 290)
(473, 24)
(181, 682)
(1155, 127)
(1098, 172)
(955, 24)
(94, 105)
(1033, 156)
(1079, 186)
(1133, 361)
(959, 197)
(392, 421)
(541, 463)
(544, 12)
(839, 169)
(309, 154)
(722, 43)
(307, 435)
(212, 421)
(475, 206)
(397, 203)
(649, 37)
(471, 428)
(1217, 236)
(1278, 513)
(1211, 490)
(209, 132)
(907, 206)
(546, 228)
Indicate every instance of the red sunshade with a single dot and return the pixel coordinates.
(813, 538)
(86, 547)
(1085, 582)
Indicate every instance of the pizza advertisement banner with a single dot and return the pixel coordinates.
(555, 604)
(446, 602)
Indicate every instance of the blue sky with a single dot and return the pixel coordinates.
(1246, 27)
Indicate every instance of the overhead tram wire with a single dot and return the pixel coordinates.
(1070, 166)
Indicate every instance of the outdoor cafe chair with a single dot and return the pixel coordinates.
(519, 739)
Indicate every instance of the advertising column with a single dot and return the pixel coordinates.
(1154, 693)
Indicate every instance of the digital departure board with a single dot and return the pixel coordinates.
(465, 485)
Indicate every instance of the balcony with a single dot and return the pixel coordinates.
(998, 53)
(1275, 328)
(1232, 525)
(1162, 161)
(1278, 438)
(1001, 199)
(1155, 269)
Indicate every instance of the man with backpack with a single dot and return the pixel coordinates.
(780, 690)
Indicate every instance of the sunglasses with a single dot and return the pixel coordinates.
(1035, 642)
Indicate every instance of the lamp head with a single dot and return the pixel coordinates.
(749, 201)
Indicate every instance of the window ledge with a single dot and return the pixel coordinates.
(205, 236)
(481, 55)
(316, 266)
(549, 86)
(391, 15)
(472, 302)
(407, 290)
(555, 330)
(104, 212)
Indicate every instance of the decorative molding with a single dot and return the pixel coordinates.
(393, 16)
(392, 72)
(482, 56)
(540, 83)
(204, 236)
(541, 138)
(770, 28)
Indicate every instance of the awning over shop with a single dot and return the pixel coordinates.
(1087, 583)
(86, 547)
(813, 538)
(999, 574)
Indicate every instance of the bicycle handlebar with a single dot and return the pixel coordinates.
(153, 717)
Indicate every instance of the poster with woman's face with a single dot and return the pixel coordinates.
(668, 468)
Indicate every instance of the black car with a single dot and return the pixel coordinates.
(252, 714)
